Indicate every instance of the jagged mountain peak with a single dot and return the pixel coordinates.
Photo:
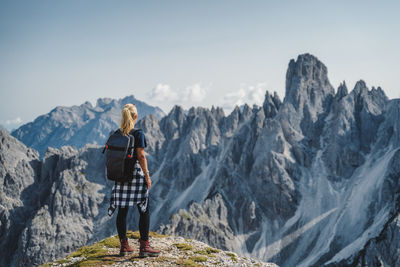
(177, 114)
(177, 110)
(361, 90)
(360, 87)
(342, 91)
(373, 101)
(271, 104)
(236, 110)
(306, 77)
(308, 98)
(101, 102)
(218, 111)
(378, 89)
(193, 111)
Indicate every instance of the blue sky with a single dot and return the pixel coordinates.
(190, 53)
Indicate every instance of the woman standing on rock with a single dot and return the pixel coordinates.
(125, 194)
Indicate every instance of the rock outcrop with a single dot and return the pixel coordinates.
(174, 251)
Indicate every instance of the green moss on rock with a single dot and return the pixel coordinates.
(210, 250)
(203, 252)
(92, 263)
(183, 246)
(232, 255)
(187, 263)
(111, 242)
(136, 234)
(93, 251)
(198, 258)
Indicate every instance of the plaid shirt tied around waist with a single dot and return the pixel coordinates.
(124, 194)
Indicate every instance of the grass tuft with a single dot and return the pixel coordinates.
(198, 258)
(203, 252)
(157, 235)
(187, 263)
(163, 259)
(136, 234)
(92, 263)
(210, 250)
(232, 255)
(183, 246)
(111, 242)
(94, 255)
(133, 235)
(93, 251)
(207, 251)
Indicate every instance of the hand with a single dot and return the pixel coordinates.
(148, 182)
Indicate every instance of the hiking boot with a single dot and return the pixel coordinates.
(146, 250)
(125, 248)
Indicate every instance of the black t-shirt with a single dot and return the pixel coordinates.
(140, 141)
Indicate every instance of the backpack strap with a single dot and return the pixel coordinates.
(132, 136)
(131, 146)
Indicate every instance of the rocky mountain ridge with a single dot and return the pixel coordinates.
(308, 181)
(313, 157)
(79, 125)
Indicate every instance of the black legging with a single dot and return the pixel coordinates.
(144, 222)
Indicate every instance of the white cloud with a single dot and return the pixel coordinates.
(195, 93)
(162, 93)
(17, 120)
(166, 97)
(253, 94)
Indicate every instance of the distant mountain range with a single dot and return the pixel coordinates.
(313, 180)
(79, 125)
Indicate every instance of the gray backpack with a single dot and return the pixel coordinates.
(120, 156)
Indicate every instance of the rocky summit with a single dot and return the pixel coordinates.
(310, 180)
(174, 251)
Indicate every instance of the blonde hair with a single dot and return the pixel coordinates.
(129, 112)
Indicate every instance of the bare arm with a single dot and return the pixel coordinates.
(143, 164)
